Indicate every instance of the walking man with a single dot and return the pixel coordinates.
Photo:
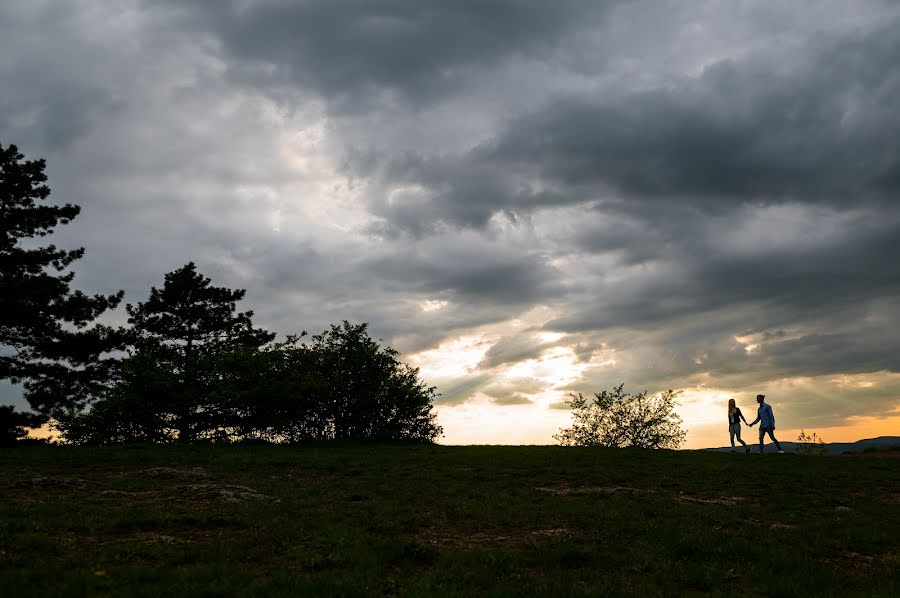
(766, 420)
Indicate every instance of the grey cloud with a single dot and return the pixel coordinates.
(865, 350)
(561, 405)
(512, 349)
(824, 402)
(514, 392)
(787, 261)
(820, 130)
(512, 399)
(819, 127)
(354, 52)
(522, 385)
(52, 97)
(475, 271)
(460, 391)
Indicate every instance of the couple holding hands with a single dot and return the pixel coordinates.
(764, 416)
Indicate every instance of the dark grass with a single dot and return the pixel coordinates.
(445, 521)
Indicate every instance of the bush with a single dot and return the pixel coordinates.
(619, 419)
(811, 444)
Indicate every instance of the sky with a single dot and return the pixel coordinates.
(526, 198)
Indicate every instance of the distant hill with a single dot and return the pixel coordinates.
(834, 448)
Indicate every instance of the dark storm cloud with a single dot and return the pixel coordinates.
(819, 128)
(470, 273)
(860, 351)
(50, 96)
(789, 281)
(353, 50)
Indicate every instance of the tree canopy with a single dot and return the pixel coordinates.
(49, 340)
(364, 391)
(14, 425)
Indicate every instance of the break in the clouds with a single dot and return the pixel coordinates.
(527, 198)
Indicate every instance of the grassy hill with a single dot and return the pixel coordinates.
(448, 521)
(881, 443)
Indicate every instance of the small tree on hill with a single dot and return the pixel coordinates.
(811, 444)
(619, 419)
(48, 340)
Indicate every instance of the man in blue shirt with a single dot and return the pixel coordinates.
(766, 420)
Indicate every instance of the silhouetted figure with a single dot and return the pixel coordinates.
(766, 420)
(734, 424)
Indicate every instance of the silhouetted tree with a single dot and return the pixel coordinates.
(268, 394)
(48, 339)
(138, 408)
(364, 392)
(619, 419)
(177, 334)
(14, 424)
(341, 385)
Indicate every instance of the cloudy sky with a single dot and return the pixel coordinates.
(526, 198)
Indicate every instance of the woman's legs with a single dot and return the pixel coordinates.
(731, 433)
(738, 434)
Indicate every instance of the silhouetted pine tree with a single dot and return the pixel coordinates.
(48, 341)
(178, 332)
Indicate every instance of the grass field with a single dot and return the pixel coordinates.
(445, 521)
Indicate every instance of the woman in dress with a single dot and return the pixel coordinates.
(734, 424)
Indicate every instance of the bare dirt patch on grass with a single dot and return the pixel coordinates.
(444, 533)
(852, 561)
(551, 532)
(892, 498)
(226, 492)
(130, 494)
(48, 483)
(152, 538)
(720, 500)
(460, 540)
(564, 490)
(183, 474)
